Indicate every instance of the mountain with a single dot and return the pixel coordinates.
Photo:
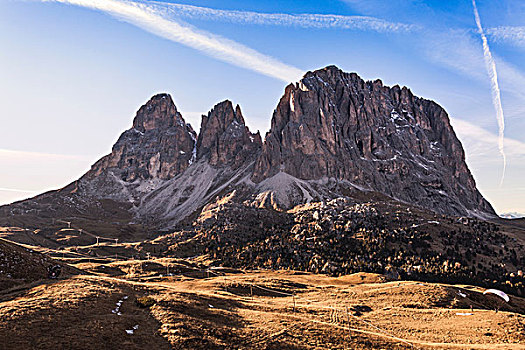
(225, 154)
(334, 125)
(159, 145)
(332, 135)
(225, 139)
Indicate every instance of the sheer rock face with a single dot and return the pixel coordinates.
(224, 138)
(160, 145)
(335, 125)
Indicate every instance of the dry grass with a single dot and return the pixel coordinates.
(257, 310)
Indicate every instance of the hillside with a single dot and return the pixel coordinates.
(22, 265)
(256, 310)
(362, 233)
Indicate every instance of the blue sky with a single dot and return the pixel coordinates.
(73, 72)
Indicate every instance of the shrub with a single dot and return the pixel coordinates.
(145, 302)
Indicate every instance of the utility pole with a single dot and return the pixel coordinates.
(348, 320)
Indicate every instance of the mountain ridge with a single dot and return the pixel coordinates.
(332, 134)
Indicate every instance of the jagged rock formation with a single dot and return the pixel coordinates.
(225, 151)
(224, 137)
(335, 125)
(332, 135)
(159, 145)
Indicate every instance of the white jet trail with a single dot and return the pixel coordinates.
(496, 94)
(317, 21)
(148, 18)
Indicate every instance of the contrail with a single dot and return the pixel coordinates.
(317, 21)
(496, 95)
(148, 18)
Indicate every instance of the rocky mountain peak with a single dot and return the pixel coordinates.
(224, 137)
(159, 145)
(159, 112)
(335, 125)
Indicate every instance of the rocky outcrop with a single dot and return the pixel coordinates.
(225, 155)
(160, 145)
(224, 138)
(344, 236)
(335, 125)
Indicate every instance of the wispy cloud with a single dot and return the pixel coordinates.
(482, 145)
(482, 154)
(10, 155)
(16, 190)
(458, 50)
(10, 195)
(25, 173)
(454, 49)
(496, 94)
(151, 19)
(318, 21)
(507, 34)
